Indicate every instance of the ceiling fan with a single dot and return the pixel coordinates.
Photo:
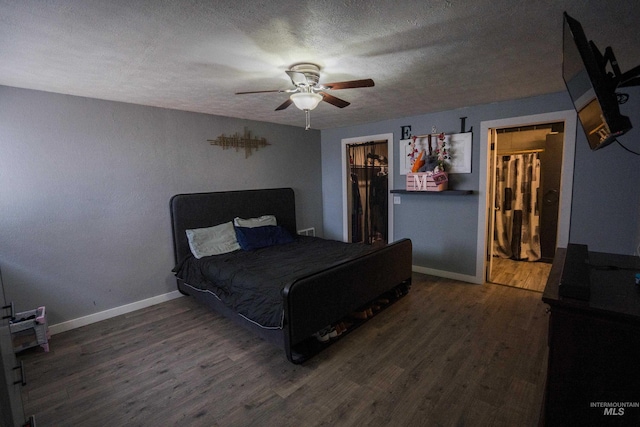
(308, 92)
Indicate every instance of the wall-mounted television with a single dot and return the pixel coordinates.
(592, 88)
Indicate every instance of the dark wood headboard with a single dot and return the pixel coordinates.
(199, 210)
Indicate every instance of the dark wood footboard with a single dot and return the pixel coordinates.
(325, 298)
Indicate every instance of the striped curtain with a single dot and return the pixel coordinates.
(517, 222)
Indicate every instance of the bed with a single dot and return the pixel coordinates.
(301, 297)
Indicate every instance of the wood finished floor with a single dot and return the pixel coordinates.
(448, 354)
(520, 274)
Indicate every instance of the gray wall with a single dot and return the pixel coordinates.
(85, 188)
(606, 194)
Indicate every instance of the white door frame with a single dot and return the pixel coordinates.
(566, 184)
(345, 211)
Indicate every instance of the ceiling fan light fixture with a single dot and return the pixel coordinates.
(306, 100)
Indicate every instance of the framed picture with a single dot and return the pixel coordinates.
(459, 149)
(405, 151)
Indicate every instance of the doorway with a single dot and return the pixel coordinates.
(367, 177)
(367, 192)
(561, 197)
(526, 176)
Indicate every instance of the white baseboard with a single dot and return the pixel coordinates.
(447, 274)
(113, 312)
(128, 308)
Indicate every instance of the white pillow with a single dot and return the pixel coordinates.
(260, 221)
(215, 240)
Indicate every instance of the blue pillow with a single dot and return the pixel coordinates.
(261, 237)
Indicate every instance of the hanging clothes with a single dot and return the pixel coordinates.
(517, 221)
(356, 209)
(369, 192)
(379, 207)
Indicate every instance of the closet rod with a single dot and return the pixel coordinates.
(368, 143)
(513, 153)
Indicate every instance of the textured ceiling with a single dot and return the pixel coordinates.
(424, 56)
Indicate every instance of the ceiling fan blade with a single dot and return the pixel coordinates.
(297, 78)
(260, 91)
(340, 103)
(349, 85)
(284, 105)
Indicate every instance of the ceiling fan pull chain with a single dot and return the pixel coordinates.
(307, 120)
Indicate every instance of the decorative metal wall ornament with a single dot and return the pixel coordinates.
(238, 141)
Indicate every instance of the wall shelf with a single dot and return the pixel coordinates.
(441, 193)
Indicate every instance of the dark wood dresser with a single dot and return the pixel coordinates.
(593, 375)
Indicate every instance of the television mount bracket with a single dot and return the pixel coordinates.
(619, 79)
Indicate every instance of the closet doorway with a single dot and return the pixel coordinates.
(367, 179)
(488, 160)
(525, 172)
